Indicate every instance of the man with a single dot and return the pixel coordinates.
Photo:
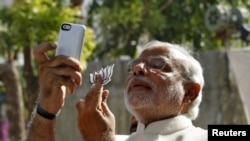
(163, 92)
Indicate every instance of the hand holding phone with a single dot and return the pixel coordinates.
(71, 38)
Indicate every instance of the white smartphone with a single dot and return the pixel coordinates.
(71, 38)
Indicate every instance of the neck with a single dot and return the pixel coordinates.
(147, 118)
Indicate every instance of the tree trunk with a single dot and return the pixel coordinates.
(14, 99)
(76, 2)
(31, 87)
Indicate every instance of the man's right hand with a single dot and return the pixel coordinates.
(55, 75)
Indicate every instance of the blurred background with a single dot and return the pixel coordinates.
(217, 31)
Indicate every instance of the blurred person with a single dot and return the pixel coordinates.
(4, 128)
(163, 92)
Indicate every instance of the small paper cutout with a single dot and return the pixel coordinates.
(105, 74)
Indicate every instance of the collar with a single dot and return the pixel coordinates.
(166, 126)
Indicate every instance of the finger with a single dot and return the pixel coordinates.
(56, 66)
(80, 106)
(40, 52)
(105, 96)
(62, 60)
(94, 96)
(59, 77)
(98, 83)
(105, 107)
(66, 81)
(70, 73)
(63, 71)
(71, 90)
(60, 81)
(97, 91)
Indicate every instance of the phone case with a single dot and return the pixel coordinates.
(71, 38)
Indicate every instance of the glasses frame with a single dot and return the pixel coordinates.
(150, 66)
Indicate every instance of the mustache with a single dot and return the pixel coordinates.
(144, 79)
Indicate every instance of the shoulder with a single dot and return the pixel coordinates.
(121, 137)
(199, 134)
(200, 130)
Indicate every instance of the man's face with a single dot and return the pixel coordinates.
(152, 90)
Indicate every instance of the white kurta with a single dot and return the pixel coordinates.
(179, 128)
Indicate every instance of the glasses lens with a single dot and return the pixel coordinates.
(156, 63)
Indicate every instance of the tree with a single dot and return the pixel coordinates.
(124, 25)
(24, 25)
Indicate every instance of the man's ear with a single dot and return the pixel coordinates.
(191, 91)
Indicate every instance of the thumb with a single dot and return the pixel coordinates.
(40, 52)
(105, 107)
(105, 95)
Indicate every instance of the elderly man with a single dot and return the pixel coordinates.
(163, 92)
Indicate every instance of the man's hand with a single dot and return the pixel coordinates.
(95, 121)
(54, 75)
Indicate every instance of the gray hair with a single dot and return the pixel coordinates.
(192, 72)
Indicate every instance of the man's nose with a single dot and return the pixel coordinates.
(140, 69)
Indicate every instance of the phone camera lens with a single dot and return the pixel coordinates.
(66, 27)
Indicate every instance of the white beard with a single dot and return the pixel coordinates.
(158, 102)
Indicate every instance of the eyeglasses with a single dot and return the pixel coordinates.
(152, 63)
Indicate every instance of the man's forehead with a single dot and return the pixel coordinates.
(155, 51)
